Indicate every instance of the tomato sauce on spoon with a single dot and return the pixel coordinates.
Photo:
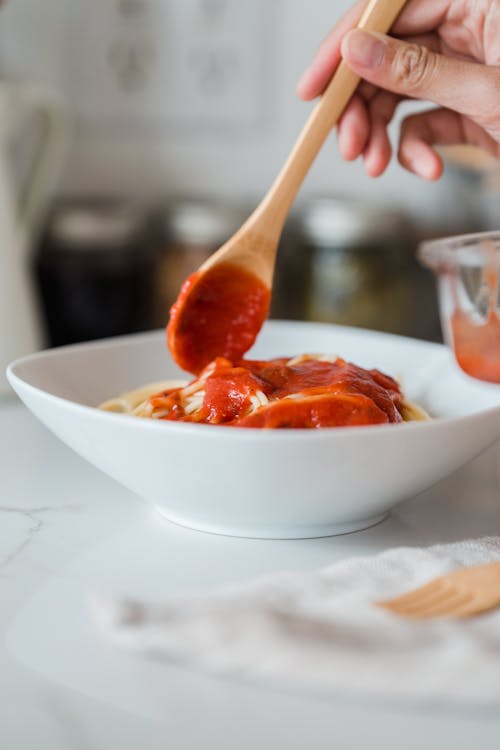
(218, 313)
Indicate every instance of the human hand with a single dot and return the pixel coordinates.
(446, 51)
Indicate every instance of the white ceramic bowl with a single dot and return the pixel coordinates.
(269, 484)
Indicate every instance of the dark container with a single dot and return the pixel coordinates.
(96, 268)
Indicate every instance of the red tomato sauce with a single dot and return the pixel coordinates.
(477, 347)
(218, 313)
(281, 393)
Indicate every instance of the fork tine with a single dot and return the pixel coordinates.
(440, 607)
(444, 607)
(467, 609)
(474, 606)
(414, 595)
(423, 602)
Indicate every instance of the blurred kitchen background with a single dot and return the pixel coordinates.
(158, 126)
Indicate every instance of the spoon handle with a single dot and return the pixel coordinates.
(379, 15)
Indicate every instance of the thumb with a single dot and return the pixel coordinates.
(417, 72)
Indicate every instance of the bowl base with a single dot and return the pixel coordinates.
(275, 532)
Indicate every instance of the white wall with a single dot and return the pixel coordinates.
(47, 40)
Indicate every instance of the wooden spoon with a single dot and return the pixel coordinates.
(222, 307)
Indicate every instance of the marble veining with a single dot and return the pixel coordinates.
(33, 524)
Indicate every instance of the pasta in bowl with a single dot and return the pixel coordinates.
(267, 483)
(307, 391)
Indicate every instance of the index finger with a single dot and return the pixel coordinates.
(421, 16)
(315, 79)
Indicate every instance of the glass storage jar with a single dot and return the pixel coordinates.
(361, 269)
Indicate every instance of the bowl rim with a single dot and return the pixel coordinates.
(221, 431)
(249, 433)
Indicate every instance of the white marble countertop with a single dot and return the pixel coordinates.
(67, 530)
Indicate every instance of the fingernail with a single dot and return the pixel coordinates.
(363, 48)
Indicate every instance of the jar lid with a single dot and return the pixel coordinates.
(339, 221)
(202, 222)
(94, 226)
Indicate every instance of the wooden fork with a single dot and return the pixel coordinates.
(461, 593)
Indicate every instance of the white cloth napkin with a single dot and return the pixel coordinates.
(320, 629)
